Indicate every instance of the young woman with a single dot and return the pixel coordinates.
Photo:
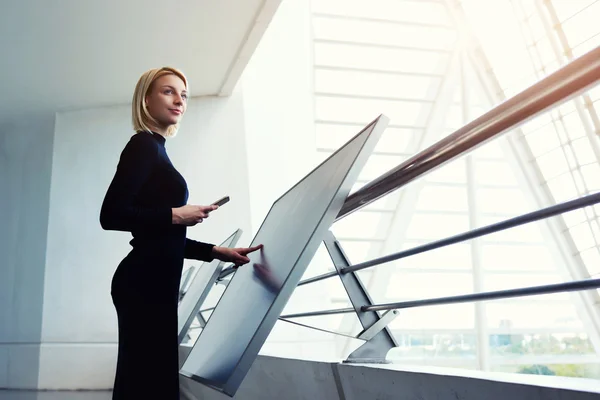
(148, 198)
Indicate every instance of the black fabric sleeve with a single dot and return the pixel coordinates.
(135, 166)
(198, 250)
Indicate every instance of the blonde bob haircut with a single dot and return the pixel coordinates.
(141, 118)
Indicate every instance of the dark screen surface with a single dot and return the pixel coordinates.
(291, 233)
(199, 289)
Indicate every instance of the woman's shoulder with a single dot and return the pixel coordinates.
(142, 143)
(143, 139)
(142, 136)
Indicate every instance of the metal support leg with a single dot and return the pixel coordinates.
(201, 320)
(379, 338)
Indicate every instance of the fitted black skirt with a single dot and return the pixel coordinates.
(145, 291)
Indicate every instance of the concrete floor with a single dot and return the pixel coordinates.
(52, 395)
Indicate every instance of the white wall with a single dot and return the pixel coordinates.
(79, 322)
(25, 162)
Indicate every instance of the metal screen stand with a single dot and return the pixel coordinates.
(379, 339)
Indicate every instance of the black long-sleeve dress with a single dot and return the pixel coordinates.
(145, 286)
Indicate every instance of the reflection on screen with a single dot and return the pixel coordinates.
(199, 288)
(256, 295)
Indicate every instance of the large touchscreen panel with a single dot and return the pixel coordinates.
(256, 295)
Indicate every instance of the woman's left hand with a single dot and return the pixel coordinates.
(234, 255)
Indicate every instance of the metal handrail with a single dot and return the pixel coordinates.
(585, 284)
(475, 233)
(495, 295)
(568, 81)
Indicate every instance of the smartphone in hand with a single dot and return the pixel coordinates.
(221, 201)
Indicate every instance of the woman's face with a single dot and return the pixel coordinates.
(167, 101)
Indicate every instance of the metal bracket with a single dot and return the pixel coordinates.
(201, 320)
(375, 331)
(202, 323)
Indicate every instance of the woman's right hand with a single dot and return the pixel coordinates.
(190, 215)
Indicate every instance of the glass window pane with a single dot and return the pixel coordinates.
(591, 175)
(531, 315)
(546, 53)
(436, 226)
(453, 120)
(536, 28)
(542, 141)
(393, 140)
(586, 46)
(595, 229)
(582, 26)
(443, 198)
(444, 349)
(541, 344)
(376, 84)
(455, 316)
(573, 126)
(583, 151)
(563, 110)
(563, 188)
(518, 74)
(503, 201)
(426, 12)
(361, 224)
(412, 286)
(582, 236)
(500, 257)
(366, 110)
(495, 173)
(320, 263)
(580, 184)
(359, 251)
(381, 59)
(411, 36)
(553, 164)
(591, 259)
(594, 93)
(565, 9)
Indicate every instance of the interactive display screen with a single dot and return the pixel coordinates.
(291, 234)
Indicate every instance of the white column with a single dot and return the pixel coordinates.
(481, 328)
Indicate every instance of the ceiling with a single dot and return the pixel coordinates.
(72, 54)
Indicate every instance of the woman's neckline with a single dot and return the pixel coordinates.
(160, 138)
